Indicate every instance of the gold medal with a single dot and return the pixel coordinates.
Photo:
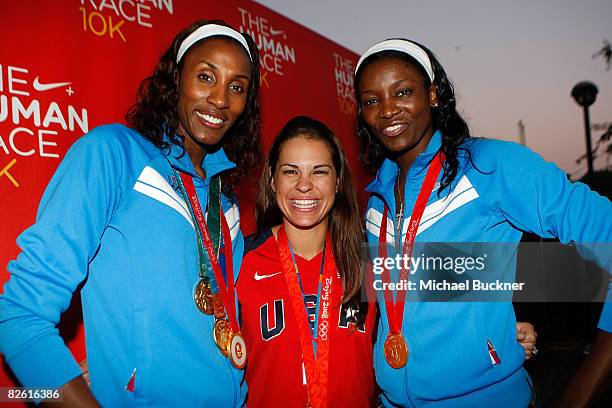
(203, 298)
(396, 350)
(221, 335)
(237, 353)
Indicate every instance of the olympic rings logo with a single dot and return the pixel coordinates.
(323, 330)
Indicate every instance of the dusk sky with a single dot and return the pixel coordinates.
(509, 60)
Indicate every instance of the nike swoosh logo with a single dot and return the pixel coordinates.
(259, 277)
(45, 87)
(275, 32)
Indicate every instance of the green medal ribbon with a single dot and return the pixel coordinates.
(213, 221)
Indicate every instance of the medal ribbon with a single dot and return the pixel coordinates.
(226, 289)
(212, 218)
(314, 332)
(214, 222)
(316, 364)
(395, 310)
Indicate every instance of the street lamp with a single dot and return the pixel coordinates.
(584, 93)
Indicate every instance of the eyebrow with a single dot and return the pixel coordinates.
(396, 83)
(295, 166)
(210, 64)
(214, 67)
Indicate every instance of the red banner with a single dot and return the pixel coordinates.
(67, 67)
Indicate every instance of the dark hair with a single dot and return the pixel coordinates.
(155, 112)
(344, 221)
(444, 117)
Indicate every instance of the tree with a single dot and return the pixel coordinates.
(603, 143)
(605, 52)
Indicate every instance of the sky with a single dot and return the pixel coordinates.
(509, 60)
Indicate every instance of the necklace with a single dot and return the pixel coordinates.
(399, 215)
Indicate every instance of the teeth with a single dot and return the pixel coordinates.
(210, 119)
(392, 129)
(304, 204)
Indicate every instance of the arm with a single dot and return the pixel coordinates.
(56, 250)
(85, 370)
(76, 394)
(543, 201)
(594, 376)
(536, 196)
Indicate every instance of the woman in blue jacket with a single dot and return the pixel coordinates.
(123, 214)
(434, 183)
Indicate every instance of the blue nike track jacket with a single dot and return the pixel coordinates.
(113, 217)
(503, 190)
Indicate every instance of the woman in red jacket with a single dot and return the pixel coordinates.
(308, 331)
(308, 335)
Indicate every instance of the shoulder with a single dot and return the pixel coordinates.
(489, 155)
(109, 134)
(114, 156)
(255, 242)
(484, 150)
(260, 254)
(117, 135)
(491, 149)
(116, 140)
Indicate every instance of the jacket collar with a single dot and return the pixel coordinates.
(214, 163)
(384, 182)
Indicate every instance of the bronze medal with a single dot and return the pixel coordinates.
(237, 353)
(221, 335)
(396, 350)
(202, 297)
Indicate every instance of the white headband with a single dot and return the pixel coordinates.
(210, 30)
(404, 46)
